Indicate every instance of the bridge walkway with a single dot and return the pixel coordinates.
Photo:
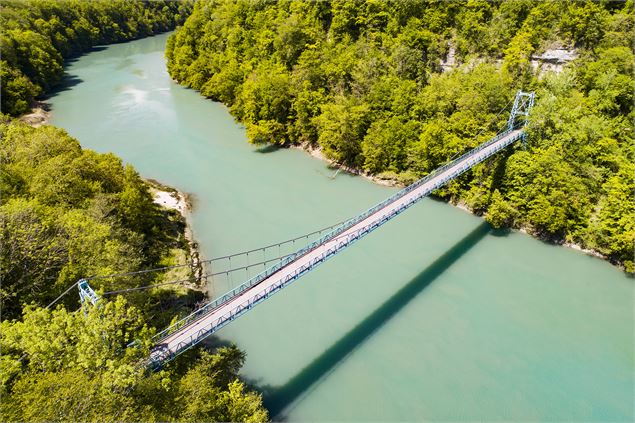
(213, 316)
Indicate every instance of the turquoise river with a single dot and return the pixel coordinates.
(432, 317)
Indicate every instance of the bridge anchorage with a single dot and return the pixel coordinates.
(86, 293)
(208, 319)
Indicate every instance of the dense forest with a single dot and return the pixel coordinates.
(68, 213)
(396, 88)
(393, 88)
(36, 36)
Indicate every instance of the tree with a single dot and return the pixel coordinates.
(613, 231)
(34, 249)
(216, 377)
(265, 95)
(386, 144)
(341, 128)
(17, 90)
(516, 61)
(500, 213)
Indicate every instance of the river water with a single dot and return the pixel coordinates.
(432, 317)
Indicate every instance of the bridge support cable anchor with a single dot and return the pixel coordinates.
(86, 293)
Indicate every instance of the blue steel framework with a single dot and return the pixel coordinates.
(86, 292)
(523, 102)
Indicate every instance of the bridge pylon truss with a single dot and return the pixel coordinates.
(86, 293)
(523, 102)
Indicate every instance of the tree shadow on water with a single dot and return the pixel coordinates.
(277, 398)
(78, 55)
(67, 83)
(267, 148)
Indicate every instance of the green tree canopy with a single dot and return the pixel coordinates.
(397, 88)
(37, 35)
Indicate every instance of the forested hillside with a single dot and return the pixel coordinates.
(365, 82)
(37, 35)
(68, 213)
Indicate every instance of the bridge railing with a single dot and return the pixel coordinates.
(209, 307)
(163, 354)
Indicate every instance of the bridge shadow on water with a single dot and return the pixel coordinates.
(277, 398)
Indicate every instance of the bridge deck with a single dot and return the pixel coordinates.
(190, 334)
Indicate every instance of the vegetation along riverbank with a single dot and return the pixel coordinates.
(395, 89)
(38, 36)
(172, 199)
(69, 213)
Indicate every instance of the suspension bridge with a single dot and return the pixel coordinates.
(283, 269)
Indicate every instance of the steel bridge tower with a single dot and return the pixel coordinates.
(522, 106)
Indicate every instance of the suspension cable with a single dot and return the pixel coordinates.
(229, 256)
(485, 127)
(275, 244)
(139, 288)
(62, 294)
(224, 272)
(264, 262)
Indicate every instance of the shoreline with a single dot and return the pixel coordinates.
(39, 115)
(317, 153)
(163, 195)
(170, 198)
(527, 231)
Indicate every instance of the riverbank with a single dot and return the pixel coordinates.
(39, 115)
(165, 196)
(182, 203)
(318, 154)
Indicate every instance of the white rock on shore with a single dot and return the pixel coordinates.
(173, 201)
(37, 117)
